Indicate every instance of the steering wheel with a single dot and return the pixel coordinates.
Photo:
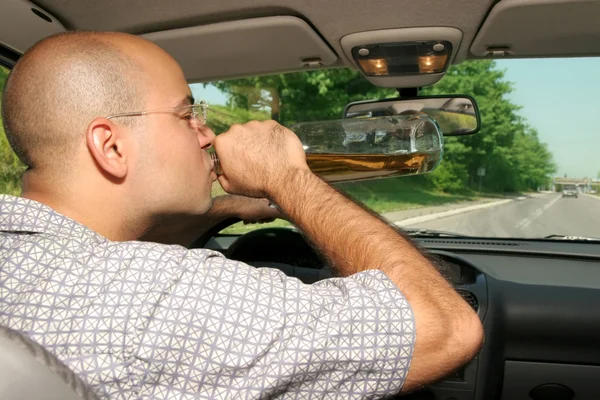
(281, 248)
(201, 241)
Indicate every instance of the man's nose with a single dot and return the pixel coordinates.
(206, 137)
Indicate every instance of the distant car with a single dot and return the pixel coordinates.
(570, 191)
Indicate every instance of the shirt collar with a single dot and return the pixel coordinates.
(24, 215)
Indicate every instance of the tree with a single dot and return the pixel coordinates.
(509, 150)
(302, 96)
(10, 166)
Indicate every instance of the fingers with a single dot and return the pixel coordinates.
(261, 221)
(256, 157)
(224, 182)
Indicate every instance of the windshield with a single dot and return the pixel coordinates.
(530, 172)
(537, 141)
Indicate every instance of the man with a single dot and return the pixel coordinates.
(115, 152)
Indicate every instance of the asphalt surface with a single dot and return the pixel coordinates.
(538, 215)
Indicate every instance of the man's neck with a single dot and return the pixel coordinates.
(105, 214)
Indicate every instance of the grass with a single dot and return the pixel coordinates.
(396, 194)
(239, 228)
(381, 195)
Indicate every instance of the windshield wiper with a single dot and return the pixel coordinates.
(431, 233)
(566, 237)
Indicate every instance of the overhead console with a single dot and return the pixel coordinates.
(405, 57)
(245, 47)
(540, 28)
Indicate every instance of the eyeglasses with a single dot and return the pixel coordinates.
(196, 117)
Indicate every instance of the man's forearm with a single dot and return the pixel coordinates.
(350, 237)
(353, 240)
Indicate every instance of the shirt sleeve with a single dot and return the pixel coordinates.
(223, 329)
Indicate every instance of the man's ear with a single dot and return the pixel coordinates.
(107, 145)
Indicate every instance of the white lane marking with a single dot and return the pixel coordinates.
(527, 221)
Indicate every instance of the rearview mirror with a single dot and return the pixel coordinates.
(456, 115)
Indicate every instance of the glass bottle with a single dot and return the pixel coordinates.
(367, 148)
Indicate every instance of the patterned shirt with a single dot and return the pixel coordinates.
(147, 320)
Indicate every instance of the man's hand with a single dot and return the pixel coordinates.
(183, 230)
(248, 209)
(257, 211)
(257, 157)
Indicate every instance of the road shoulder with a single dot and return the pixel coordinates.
(423, 214)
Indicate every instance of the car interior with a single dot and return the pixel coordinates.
(538, 298)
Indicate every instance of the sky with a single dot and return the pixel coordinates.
(560, 98)
(210, 94)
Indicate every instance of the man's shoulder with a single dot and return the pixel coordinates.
(148, 255)
(48, 252)
(159, 252)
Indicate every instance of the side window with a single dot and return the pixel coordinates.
(10, 166)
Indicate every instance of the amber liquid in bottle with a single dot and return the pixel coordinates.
(353, 167)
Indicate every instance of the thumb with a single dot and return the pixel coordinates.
(224, 183)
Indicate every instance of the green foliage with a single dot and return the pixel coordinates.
(220, 118)
(449, 177)
(302, 96)
(10, 166)
(508, 149)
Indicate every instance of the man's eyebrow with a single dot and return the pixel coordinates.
(187, 101)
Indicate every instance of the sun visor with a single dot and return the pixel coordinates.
(540, 28)
(245, 47)
(22, 24)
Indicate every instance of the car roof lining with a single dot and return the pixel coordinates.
(329, 20)
(216, 61)
(333, 19)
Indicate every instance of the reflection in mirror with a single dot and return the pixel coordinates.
(456, 115)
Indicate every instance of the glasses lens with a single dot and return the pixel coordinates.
(198, 116)
(201, 110)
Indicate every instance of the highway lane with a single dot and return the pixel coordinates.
(538, 215)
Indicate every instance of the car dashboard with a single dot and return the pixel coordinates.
(539, 301)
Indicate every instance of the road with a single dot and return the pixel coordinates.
(532, 216)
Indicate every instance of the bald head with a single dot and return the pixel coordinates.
(64, 82)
